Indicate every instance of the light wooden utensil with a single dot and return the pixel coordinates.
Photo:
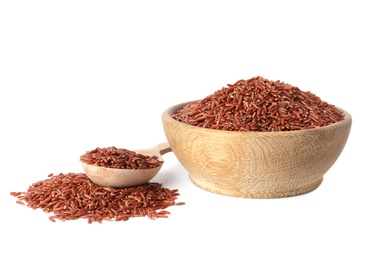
(256, 164)
(121, 178)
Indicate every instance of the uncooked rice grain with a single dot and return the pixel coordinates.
(73, 196)
(259, 104)
(120, 158)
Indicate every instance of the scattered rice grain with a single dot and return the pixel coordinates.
(95, 203)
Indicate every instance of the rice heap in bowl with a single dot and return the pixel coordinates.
(259, 104)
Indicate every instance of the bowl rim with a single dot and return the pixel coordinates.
(170, 110)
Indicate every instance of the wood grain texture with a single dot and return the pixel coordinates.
(256, 164)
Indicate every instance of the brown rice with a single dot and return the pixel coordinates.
(112, 157)
(259, 104)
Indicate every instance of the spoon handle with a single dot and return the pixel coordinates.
(163, 148)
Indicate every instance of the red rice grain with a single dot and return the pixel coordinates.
(120, 158)
(72, 196)
(259, 104)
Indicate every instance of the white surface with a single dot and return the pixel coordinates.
(75, 75)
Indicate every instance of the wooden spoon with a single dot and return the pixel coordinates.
(122, 178)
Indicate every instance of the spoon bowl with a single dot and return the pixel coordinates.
(122, 178)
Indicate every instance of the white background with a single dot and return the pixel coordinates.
(76, 75)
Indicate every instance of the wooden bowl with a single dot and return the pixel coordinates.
(256, 164)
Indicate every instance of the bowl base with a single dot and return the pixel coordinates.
(263, 194)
